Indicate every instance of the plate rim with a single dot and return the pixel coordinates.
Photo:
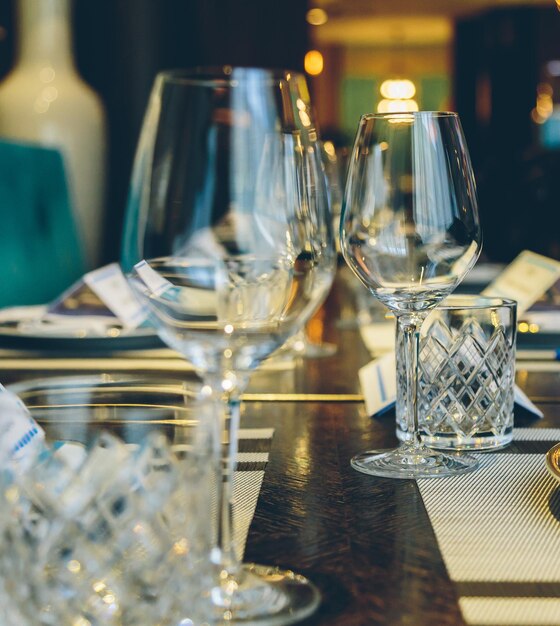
(552, 466)
(136, 339)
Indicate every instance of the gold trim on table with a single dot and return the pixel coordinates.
(302, 397)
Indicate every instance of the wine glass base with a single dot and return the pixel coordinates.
(409, 461)
(265, 596)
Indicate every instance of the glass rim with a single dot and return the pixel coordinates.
(418, 114)
(216, 75)
(456, 302)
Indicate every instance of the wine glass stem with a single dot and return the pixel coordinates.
(229, 427)
(408, 327)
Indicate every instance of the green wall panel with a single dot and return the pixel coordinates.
(358, 97)
(433, 93)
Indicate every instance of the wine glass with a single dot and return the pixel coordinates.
(303, 344)
(228, 244)
(410, 232)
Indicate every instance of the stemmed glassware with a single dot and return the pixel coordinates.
(410, 232)
(228, 244)
(303, 344)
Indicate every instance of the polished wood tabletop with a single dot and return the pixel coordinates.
(366, 542)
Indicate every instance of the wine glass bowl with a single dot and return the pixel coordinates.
(228, 245)
(234, 231)
(410, 232)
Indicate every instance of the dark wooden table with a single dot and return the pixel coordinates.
(366, 542)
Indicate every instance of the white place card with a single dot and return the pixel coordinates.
(110, 286)
(193, 300)
(156, 283)
(20, 432)
(525, 279)
(522, 400)
(379, 384)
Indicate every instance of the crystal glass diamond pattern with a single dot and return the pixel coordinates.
(116, 535)
(465, 376)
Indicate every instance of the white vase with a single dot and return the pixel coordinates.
(44, 101)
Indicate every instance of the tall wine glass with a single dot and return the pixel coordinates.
(303, 344)
(410, 232)
(229, 246)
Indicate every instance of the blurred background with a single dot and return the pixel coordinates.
(495, 62)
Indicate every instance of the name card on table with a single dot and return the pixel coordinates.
(525, 279)
(110, 286)
(378, 381)
(21, 435)
(156, 283)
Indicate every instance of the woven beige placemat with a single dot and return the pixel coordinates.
(498, 530)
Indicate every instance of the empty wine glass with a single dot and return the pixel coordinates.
(410, 232)
(228, 244)
(304, 344)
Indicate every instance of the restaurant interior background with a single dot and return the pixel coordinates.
(497, 63)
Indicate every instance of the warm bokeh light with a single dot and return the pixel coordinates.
(536, 117)
(317, 17)
(313, 62)
(397, 106)
(305, 119)
(544, 105)
(397, 89)
(329, 148)
(544, 89)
